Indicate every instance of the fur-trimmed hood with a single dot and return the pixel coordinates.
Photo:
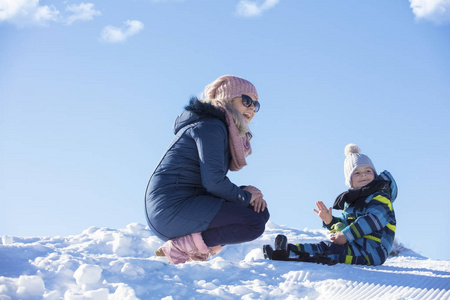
(196, 111)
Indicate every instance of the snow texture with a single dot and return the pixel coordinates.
(110, 264)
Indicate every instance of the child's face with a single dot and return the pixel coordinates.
(362, 176)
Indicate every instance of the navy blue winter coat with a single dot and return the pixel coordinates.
(189, 185)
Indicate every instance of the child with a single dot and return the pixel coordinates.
(365, 233)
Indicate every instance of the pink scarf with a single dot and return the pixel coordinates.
(239, 146)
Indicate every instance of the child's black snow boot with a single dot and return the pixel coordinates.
(281, 252)
(267, 250)
(281, 242)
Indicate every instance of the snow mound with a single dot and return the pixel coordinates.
(104, 263)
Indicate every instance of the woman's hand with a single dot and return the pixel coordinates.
(338, 238)
(257, 201)
(259, 205)
(324, 213)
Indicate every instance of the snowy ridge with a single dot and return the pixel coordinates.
(103, 263)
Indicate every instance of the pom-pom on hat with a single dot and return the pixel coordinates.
(354, 159)
(229, 87)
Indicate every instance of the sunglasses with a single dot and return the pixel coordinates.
(247, 101)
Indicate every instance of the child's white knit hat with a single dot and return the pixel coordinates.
(354, 159)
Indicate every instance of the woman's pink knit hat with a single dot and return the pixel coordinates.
(229, 87)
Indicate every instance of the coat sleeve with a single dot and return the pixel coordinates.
(378, 214)
(333, 221)
(211, 139)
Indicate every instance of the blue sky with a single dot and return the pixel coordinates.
(89, 92)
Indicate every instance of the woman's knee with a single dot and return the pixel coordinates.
(259, 225)
(263, 217)
(266, 215)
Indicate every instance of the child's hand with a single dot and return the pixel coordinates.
(324, 213)
(338, 238)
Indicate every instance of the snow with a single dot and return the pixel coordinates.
(104, 263)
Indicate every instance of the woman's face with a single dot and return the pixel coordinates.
(247, 112)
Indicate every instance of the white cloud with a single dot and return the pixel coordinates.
(436, 11)
(26, 12)
(111, 34)
(81, 12)
(248, 8)
(31, 12)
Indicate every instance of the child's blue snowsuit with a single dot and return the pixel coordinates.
(369, 230)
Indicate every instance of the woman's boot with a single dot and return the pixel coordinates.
(185, 248)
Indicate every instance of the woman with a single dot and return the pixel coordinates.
(190, 202)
